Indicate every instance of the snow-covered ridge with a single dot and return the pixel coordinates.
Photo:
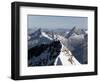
(69, 44)
(66, 58)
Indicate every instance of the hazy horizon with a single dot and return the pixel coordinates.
(56, 22)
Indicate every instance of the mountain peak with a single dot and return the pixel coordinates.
(39, 29)
(76, 31)
(37, 32)
(74, 28)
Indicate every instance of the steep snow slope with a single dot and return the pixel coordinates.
(77, 44)
(66, 58)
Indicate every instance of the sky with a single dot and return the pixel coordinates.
(56, 22)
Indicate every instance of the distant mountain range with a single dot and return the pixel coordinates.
(52, 48)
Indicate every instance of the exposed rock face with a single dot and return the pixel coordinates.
(44, 54)
(38, 38)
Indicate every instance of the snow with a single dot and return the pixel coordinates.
(39, 38)
(86, 32)
(76, 40)
(66, 57)
(45, 35)
(66, 32)
(77, 36)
